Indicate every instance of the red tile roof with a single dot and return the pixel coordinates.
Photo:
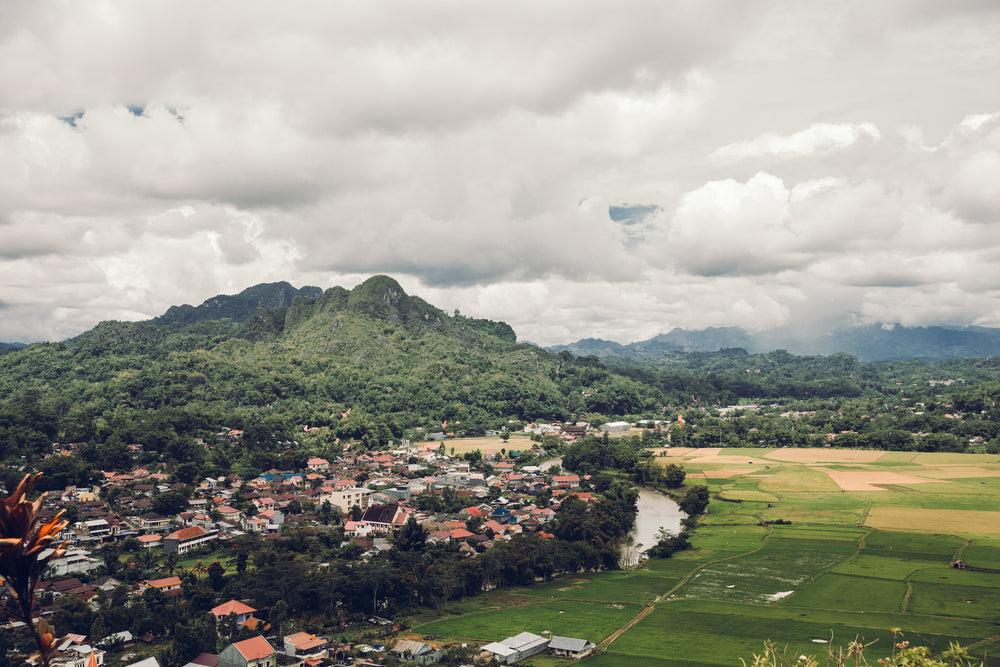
(232, 607)
(187, 533)
(254, 648)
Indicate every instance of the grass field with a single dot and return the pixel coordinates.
(867, 550)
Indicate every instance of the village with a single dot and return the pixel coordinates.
(472, 501)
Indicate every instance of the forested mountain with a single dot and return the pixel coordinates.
(237, 307)
(875, 342)
(390, 361)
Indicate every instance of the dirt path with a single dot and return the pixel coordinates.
(610, 639)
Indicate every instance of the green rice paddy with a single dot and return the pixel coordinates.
(853, 562)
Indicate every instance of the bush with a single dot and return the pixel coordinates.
(853, 655)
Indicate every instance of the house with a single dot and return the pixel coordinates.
(318, 464)
(229, 513)
(566, 481)
(150, 541)
(568, 647)
(96, 529)
(512, 649)
(253, 652)
(418, 652)
(73, 561)
(243, 612)
(75, 655)
(305, 646)
(383, 518)
(153, 521)
(185, 539)
(165, 585)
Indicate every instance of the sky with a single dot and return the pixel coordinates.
(574, 168)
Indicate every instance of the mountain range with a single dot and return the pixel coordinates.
(875, 342)
(263, 308)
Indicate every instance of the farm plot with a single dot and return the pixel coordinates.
(840, 509)
(982, 555)
(909, 545)
(942, 574)
(835, 591)
(637, 586)
(918, 520)
(880, 567)
(958, 601)
(592, 621)
(763, 577)
(818, 533)
(789, 479)
(736, 539)
(686, 632)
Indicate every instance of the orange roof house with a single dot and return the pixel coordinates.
(164, 585)
(253, 652)
(243, 611)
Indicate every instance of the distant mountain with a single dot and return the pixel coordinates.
(239, 307)
(10, 347)
(874, 342)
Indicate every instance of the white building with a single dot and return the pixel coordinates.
(615, 427)
(74, 561)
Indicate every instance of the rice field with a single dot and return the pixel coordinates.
(864, 545)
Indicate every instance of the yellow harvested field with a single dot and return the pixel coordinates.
(825, 455)
(949, 458)
(867, 480)
(672, 451)
(517, 443)
(743, 461)
(959, 472)
(919, 520)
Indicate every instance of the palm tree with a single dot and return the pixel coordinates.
(147, 560)
(170, 561)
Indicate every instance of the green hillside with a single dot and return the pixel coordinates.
(394, 360)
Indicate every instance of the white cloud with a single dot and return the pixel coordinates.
(817, 138)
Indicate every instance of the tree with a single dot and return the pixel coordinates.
(667, 545)
(216, 576)
(411, 537)
(170, 561)
(26, 547)
(695, 500)
(278, 616)
(673, 476)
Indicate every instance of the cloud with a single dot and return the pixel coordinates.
(797, 160)
(817, 138)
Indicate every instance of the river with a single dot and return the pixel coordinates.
(655, 511)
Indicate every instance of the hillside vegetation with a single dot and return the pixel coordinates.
(375, 365)
(392, 360)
